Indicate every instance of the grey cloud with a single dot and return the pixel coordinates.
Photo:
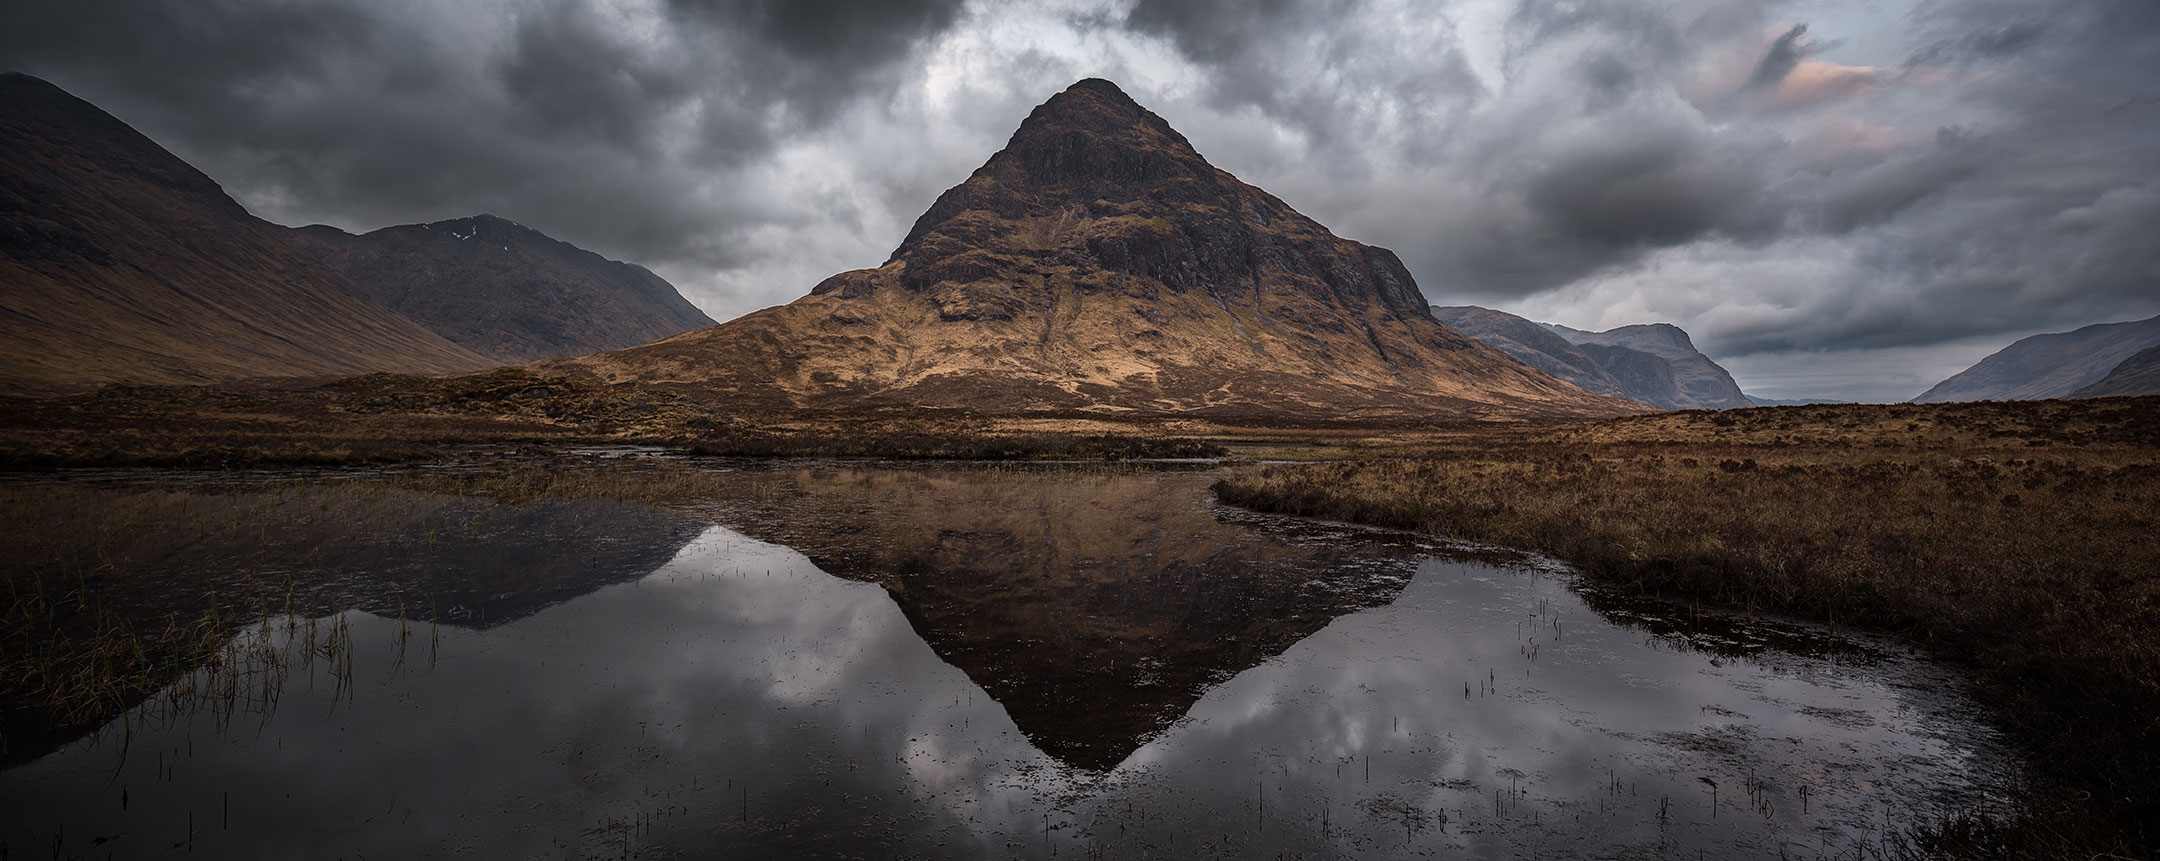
(1875, 194)
(1980, 44)
(1588, 167)
(1784, 56)
(1647, 191)
(1212, 31)
(573, 80)
(552, 112)
(1315, 66)
(849, 35)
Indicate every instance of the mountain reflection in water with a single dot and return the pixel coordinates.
(1096, 607)
(1055, 663)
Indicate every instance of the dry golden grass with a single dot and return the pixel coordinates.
(2016, 540)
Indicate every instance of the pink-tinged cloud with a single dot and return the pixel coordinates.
(1814, 82)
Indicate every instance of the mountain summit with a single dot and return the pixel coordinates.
(1099, 263)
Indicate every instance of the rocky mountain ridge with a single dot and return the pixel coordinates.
(1656, 363)
(1098, 263)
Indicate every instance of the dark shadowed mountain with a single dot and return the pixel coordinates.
(122, 262)
(2137, 375)
(2047, 366)
(504, 290)
(1657, 363)
(1098, 263)
(1532, 344)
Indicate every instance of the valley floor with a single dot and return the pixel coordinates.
(2012, 539)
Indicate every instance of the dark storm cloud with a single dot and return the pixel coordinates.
(2037, 217)
(1785, 55)
(1313, 65)
(1554, 198)
(557, 113)
(850, 35)
(1212, 31)
(1993, 180)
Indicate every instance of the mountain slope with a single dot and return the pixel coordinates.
(2047, 366)
(504, 290)
(1657, 363)
(1532, 344)
(2137, 375)
(1098, 263)
(122, 262)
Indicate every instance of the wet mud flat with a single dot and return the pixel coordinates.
(826, 658)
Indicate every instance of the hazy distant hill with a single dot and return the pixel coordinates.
(1761, 401)
(122, 262)
(1099, 263)
(1657, 363)
(2048, 366)
(505, 290)
(2137, 375)
(1532, 344)
(1654, 364)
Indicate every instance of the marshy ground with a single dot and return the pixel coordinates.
(2015, 540)
(2012, 540)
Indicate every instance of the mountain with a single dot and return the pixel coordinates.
(2137, 375)
(1657, 363)
(1532, 344)
(504, 290)
(1098, 263)
(122, 262)
(1761, 401)
(2047, 366)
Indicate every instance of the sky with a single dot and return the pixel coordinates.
(1847, 200)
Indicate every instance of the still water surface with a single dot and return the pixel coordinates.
(965, 662)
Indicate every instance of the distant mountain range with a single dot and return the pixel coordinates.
(506, 290)
(123, 262)
(1761, 401)
(1098, 263)
(1654, 363)
(2080, 363)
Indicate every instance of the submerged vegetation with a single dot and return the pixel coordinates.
(2016, 540)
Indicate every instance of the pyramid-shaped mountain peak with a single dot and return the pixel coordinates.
(1090, 146)
(1099, 263)
(1098, 108)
